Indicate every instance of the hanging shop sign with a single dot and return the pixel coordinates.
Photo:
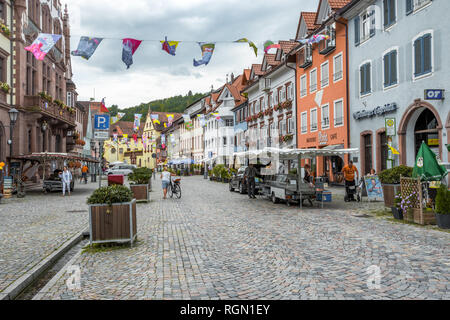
(323, 138)
(378, 111)
(434, 94)
(390, 126)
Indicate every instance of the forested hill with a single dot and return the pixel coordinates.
(172, 104)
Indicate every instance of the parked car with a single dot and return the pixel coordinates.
(238, 182)
(124, 169)
(53, 183)
(284, 187)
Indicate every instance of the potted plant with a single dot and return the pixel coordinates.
(112, 215)
(390, 181)
(140, 178)
(46, 97)
(442, 210)
(396, 209)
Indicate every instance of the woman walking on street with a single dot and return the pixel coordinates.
(165, 177)
(66, 179)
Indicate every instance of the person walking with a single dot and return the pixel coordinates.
(66, 179)
(165, 179)
(84, 172)
(250, 174)
(349, 175)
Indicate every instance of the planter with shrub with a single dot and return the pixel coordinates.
(112, 215)
(140, 186)
(396, 209)
(390, 181)
(442, 211)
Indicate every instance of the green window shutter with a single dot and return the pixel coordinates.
(357, 26)
(386, 13)
(427, 64)
(372, 23)
(361, 79)
(418, 56)
(409, 7)
(368, 86)
(393, 66)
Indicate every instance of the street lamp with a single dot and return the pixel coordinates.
(93, 174)
(13, 114)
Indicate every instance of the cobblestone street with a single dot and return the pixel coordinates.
(33, 227)
(213, 244)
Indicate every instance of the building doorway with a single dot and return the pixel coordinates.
(368, 165)
(426, 130)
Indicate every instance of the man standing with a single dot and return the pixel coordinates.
(249, 174)
(84, 172)
(165, 179)
(66, 179)
(349, 176)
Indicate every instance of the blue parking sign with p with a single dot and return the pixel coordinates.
(101, 122)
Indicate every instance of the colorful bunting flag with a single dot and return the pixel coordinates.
(269, 45)
(156, 121)
(115, 135)
(137, 121)
(117, 117)
(43, 44)
(169, 46)
(87, 47)
(207, 52)
(129, 48)
(125, 138)
(170, 119)
(250, 43)
(135, 138)
(394, 151)
(314, 39)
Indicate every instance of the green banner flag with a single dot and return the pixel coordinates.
(427, 167)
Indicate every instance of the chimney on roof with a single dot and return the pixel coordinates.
(212, 88)
(226, 78)
(232, 77)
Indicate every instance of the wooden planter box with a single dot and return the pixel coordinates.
(420, 216)
(115, 223)
(140, 192)
(389, 192)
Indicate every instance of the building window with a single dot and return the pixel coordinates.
(313, 81)
(367, 147)
(390, 68)
(282, 91)
(229, 122)
(2, 69)
(364, 26)
(303, 89)
(389, 11)
(304, 122)
(290, 90)
(290, 125)
(314, 119)
(325, 116)
(324, 74)
(423, 55)
(337, 67)
(339, 113)
(2, 11)
(383, 151)
(414, 5)
(282, 127)
(31, 75)
(224, 141)
(365, 79)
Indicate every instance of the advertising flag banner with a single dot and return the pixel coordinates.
(43, 44)
(87, 47)
(137, 121)
(103, 106)
(207, 52)
(129, 48)
(269, 45)
(169, 46)
(250, 43)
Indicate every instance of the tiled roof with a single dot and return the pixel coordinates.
(310, 20)
(271, 59)
(125, 127)
(257, 69)
(287, 46)
(162, 117)
(338, 4)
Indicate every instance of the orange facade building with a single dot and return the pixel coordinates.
(322, 96)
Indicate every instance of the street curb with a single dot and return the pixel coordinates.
(14, 289)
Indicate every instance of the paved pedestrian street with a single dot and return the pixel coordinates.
(33, 227)
(213, 244)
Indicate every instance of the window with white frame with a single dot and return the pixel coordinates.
(325, 116)
(303, 88)
(338, 113)
(423, 54)
(324, 74)
(290, 125)
(414, 5)
(275, 97)
(70, 99)
(313, 80)
(389, 12)
(314, 119)
(290, 92)
(338, 67)
(224, 141)
(283, 94)
(304, 122)
(365, 85)
(282, 127)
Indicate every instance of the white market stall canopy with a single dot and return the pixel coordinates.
(290, 154)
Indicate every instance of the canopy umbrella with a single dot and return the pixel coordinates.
(427, 167)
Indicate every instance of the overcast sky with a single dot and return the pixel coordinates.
(155, 74)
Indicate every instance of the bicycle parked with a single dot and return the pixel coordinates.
(175, 188)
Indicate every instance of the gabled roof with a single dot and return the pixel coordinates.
(125, 127)
(162, 117)
(334, 6)
(308, 19)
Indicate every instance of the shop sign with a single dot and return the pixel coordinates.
(390, 126)
(434, 94)
(309, 140)
(378, 111)
(323, 138)
(433, 142)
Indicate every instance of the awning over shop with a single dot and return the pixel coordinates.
(289, 154)
(183, 160)
(41, 156)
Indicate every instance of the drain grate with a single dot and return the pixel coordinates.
(362, 216)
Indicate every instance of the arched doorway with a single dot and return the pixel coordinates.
(420, 122)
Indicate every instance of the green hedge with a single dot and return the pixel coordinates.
(140, 175)
(111, 194)
(392, 176)
(443, 200)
